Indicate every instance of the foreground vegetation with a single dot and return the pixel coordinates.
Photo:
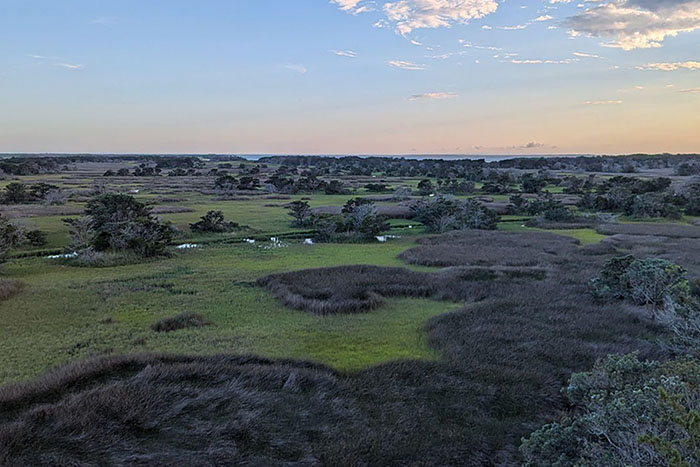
(443, 305)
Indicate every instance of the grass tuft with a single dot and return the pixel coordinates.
(181, 321)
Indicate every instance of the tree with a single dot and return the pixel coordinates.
(300, 212)
(225, 183)
(248, 183)
(213, 221)
(16, 193)
(118, 222)
(335, 187)
(444, 213)
(692, 207)
(425, 187)
(532, 184)
(11, 236)
(360, 219)
(650, 205)
(518, 204)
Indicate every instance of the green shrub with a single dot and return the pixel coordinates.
(650, 281)
(36, 238)
(626, 412)
(213, 221)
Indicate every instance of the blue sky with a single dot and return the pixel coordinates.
(349, 76)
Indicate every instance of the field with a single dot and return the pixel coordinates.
(434, 350)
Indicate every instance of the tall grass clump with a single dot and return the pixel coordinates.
(181, 321)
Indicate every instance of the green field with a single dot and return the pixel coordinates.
(60, 315)
(65, 312)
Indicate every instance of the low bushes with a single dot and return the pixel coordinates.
(358, 220)
(181, 321)
(213, 222)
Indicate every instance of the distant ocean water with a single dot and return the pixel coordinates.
(489, 158)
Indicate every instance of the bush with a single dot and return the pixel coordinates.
(651, 205)
(401, 194)
(444, 213)
(559, 214)
(36, 238)
(650, 281)
(335, 187)
(628, 412)
(376, 187)
(213, 221)
(181, 321)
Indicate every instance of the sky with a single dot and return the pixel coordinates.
(350, 76)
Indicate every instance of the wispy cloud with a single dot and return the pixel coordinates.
(345, 53)
(530, 145)
(433, 96)
(517, 27)
(354, 6)
(537, 61)
(691, 91)
(610, 102)
(670, 66)
(470, 45)
(526, 146)
(404, 65)
(62, 64)
(301, 69)
(70, 66)
(585, 55)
